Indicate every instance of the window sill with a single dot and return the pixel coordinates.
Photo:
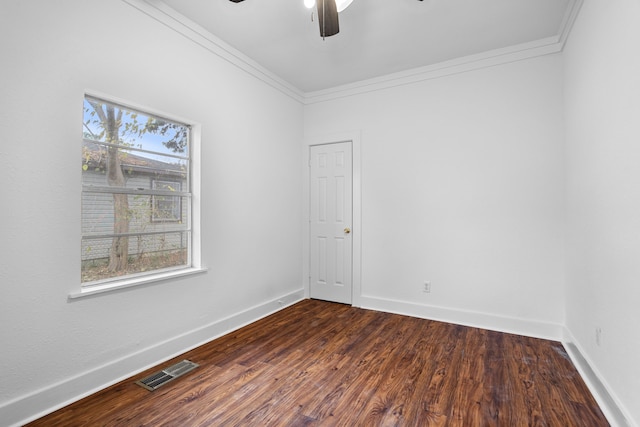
(135, 281)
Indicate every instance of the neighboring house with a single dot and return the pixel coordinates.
(148, 214)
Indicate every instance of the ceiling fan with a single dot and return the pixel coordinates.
(327, 15)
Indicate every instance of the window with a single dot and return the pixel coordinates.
(136, 194)
(166, 208)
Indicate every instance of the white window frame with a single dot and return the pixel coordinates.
(194, 264)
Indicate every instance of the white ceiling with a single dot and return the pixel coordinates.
(377, 37)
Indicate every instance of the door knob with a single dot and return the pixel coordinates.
(347, 230)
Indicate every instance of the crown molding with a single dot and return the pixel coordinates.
(570, 16)
(168, 16)
(545, 46)
(456, 66)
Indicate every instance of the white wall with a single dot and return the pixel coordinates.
(52, 52)
(462, 185)
(602, 84)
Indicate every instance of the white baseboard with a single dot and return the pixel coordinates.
(37, 404)
(611, 406)
(512, 325)
(44, 401)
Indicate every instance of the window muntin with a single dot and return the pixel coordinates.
(136, 193)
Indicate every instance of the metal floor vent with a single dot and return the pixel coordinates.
(158, 379)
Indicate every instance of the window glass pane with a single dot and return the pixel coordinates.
(146, 253)
(114, 124)
(144, 213)
(136, 204)
(137, 168)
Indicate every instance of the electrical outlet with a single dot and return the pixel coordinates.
(427, 287)
(598, 336)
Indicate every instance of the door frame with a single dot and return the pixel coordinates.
(356, 234)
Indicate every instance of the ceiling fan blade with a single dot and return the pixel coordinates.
(328, 18)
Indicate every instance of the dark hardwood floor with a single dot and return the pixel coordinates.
(323, 364)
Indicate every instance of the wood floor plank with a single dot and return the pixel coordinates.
(323, 364)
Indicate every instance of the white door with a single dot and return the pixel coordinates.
(331, 207)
